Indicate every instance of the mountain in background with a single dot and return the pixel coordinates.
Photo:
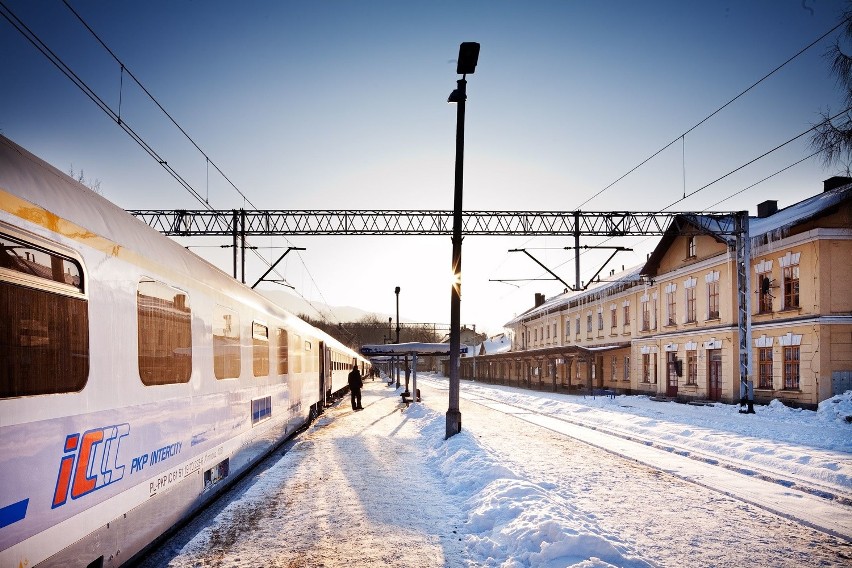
(297, 305)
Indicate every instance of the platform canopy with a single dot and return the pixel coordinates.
(413, 348)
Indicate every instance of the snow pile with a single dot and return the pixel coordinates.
(836, 408)
(512, 522)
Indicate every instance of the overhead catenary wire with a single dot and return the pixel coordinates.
(156, 102)
(753, 160)
(66, 70)
(682, 137)
(33, 38)
(208, 161)
(715, 112)
(751, 186)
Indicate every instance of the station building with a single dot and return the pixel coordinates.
(670, 328)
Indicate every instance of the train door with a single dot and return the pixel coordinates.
(324, 374)
(714, 374)
(671, 374)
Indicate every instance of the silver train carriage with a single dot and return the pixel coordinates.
(136, 380)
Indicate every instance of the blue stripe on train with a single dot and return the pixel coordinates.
(13, 513)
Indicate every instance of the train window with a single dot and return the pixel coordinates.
(164, 334)
(296, 354)
(226, 343)
(29, 264)
(44, 337)
(261, 409)
(283, 350)
(260, 349)
(310, 359)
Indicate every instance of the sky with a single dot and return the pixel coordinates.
(540, 480)
(342, 105)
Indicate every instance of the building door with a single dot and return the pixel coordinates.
(714, 374)
(671, 374)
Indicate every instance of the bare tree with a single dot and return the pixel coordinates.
(94, 185)
(833, 134)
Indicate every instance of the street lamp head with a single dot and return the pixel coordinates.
(468, 57)
(457, 96)
(396, 290)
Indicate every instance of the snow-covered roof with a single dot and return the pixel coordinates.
(410, 349)
(497, 344)
(795, 214)
(630, 276)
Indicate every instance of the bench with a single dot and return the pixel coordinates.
(406, 397)
(602, 392)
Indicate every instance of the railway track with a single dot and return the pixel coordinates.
(825, 507)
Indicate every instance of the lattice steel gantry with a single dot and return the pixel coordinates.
(238, 224)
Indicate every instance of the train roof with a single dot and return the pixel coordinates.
(35, 182)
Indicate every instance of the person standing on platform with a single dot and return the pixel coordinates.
(355, 384)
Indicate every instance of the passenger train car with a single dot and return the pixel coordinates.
(136, 380)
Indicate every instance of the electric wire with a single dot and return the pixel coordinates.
(753, 160)
(36, 41)
(33, 38)
(208, 161)
(715, 112)
(156, 102)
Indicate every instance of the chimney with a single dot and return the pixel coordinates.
(767, 208)
(539, 299)
(835, 182)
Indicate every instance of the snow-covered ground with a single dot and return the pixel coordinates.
(541, 479)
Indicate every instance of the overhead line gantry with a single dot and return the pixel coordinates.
(242, 223)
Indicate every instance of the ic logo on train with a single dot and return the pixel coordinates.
(90, 462)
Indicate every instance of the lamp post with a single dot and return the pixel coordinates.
(396, 365)
(468, 57)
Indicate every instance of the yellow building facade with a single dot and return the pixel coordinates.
(670, 327)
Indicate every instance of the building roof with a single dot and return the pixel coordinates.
(497, 344)
(775, 226)
(629, 277)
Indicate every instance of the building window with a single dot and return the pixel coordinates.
(577, 326)
(690, 304)
(646, 367)
(260, 349)
(691, 367)
(44, 334)
(226, 343)
(654, 311)
(713, 299)
(626, 315)
(690, 246)
(646, 316)
(600, 320)
(589, 323)
(791, 367)
(791, 286)
(764, 369)
(164, 336)
(555, 335)
(613, 317)
(671, 306)
(764, 295)
(627, 368)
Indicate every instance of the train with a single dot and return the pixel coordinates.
(137, 380)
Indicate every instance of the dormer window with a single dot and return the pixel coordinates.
(690, 246)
